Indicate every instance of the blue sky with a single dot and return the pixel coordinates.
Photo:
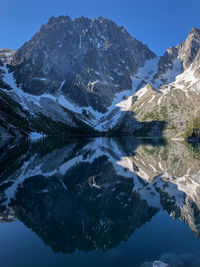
(157, 23)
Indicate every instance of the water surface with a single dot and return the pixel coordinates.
(99, 202)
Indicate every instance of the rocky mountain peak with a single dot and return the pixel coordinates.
(180, 58)
(188, 50)
(194, 30)
(166, 61)
(87, 60)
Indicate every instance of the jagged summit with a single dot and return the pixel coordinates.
(88, 60)
(178, 59)
(194, 30)
(188, 50)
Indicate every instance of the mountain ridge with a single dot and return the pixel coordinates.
(93, 72)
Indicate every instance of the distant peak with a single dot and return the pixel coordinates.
(100, 18)
(194, 30)
(58, 19)
(188, 50)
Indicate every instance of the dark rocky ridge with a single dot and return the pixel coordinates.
(95, 58)
(1, 73)
(166, 61)
(188, 52)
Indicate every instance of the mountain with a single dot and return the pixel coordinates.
(91, 76)
(87, 61)
(172, 94)
(74, 72)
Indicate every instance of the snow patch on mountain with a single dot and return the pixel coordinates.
(24, 98)
(186, 78)
(121, 102)
(175, 77)
(148, 71)
(141, 92)
(170, 75)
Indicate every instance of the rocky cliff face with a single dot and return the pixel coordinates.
(183, 56)
(188, 50)
(88, 61)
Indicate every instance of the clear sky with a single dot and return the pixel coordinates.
(157, 23)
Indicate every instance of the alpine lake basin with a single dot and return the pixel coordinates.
(99, 202)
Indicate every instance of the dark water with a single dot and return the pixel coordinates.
(99, 202)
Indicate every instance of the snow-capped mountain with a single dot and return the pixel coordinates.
(84, 76)
(172, 94)
(80, 66)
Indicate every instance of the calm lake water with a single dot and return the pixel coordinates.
(99, 202)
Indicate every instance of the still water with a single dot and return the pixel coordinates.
(99, 202)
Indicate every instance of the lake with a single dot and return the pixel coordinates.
(99, 202)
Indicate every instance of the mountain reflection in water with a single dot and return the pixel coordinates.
(92, 193)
